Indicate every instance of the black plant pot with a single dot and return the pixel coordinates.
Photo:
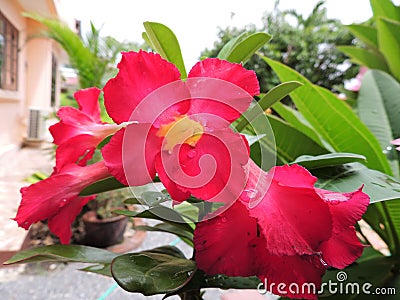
(103, 233)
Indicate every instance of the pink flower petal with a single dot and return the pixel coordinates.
(289, 276)
(88, 100)
(73, 122)
(342, 249)
(78, 149)
(293, 219)
(46, 198)
(60, 223)
(232, 91)
(140, 73)
(346, 208)
(222, 244)
(174, 190)
(211, 170)
(294, 176)
(130, 154)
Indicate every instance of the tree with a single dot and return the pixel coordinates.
(93, 57)
(306, 44)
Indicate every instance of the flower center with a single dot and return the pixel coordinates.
(182, 130)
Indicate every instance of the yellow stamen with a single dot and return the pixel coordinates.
(182, 130)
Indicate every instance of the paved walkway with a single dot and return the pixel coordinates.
(16, 165)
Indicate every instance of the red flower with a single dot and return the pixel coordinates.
(80, 131)
(181, 128)
(57, 198)
(290, 236)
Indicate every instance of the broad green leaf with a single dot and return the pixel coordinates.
(392, 209)
(189, 211)
(274, 95)
(364, 57)
(186, 236)
(296, 119)
(152, 272)
(160, 213)
(379, 109)
(328, 160)
(379, 186)
(229, 46)
(151, 198)
(108, 184)
(242, 50)
(286, 141)
(333, 119)
(367, 34)
(166, 44)
(226, 282)
(63, 253)
(389, 44)
(385, 8)
(147, 40)
(132, 201)
(99, 269)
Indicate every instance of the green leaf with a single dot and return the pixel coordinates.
(297, 120)
(389, 44)
(108, 184)
(364, 57)
(367, 34)
(380, 110)
(286, 141)
(245, 47)
(385, 8)
(229, 46)
(274, 95)
(328, 160)
(152, 272)
(63, 253)
(168, 228)
(379, 186)
(132, 201)
(147, 40)
(333, 119)
(151, 198)
(227, 282)
(392, 209)
(160, 213)
(99, 269)
(164, 41)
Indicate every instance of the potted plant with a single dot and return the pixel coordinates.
(101, 227)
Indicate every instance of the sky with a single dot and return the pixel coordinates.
(195, 23)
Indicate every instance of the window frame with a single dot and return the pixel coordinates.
(9, 59)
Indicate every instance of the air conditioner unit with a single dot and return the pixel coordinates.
(36, 124)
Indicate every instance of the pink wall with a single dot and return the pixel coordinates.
(34, 76)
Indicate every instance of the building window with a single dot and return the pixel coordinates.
(54, 67)
(8, 55)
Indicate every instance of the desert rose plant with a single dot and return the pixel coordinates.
(254, 224)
